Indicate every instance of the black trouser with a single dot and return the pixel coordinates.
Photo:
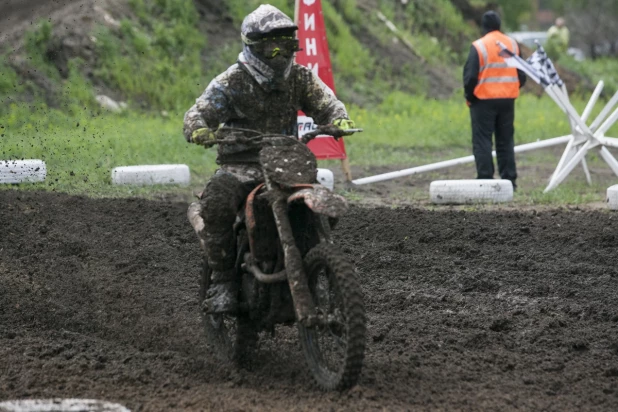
(489, 117)
(222, 199)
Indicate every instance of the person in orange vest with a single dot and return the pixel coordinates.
(490, 89)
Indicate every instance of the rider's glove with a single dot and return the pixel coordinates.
(203, 136)
(344, 124)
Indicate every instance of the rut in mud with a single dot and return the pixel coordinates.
(480, 310)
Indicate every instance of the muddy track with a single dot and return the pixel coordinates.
(467, 311)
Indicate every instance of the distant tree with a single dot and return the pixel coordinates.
(593, 24)
(514, 12)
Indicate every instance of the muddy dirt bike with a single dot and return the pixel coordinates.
(291, 272)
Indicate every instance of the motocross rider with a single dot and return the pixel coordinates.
(263, 91)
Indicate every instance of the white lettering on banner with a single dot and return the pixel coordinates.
(310, 22)
(312, 47)
(305, 124)
(308, 2)
(314, 68)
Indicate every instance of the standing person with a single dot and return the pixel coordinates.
(490, 89)
(263, 91)
(557, 39)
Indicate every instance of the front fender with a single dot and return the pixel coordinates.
(321, 200)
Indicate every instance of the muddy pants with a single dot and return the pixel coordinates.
(223, 197)
(489, 117)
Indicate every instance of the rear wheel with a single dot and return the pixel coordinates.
(335, 348)
(232, 338)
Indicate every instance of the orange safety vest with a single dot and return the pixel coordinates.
(496, 79)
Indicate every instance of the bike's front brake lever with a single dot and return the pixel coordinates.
(209, 143)
(329, 130)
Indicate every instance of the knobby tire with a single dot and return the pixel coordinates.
(341, 273)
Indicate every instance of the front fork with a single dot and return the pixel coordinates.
(297, 279)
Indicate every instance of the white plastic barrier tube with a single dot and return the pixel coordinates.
(151, 175)
(459, 161)
(21, 171)
(612, 197)
(60, 405)
(470, 191)
(326, 178)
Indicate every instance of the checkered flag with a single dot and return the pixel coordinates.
(514, 60)
(543, 64)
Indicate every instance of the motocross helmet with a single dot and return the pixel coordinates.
(271, 36)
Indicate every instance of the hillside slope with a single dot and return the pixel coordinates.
(54, 49)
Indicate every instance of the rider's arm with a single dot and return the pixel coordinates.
(209, 111)
(318, 100)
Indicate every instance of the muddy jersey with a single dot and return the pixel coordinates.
(236, 99)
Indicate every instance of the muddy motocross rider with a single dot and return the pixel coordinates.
(263, 91)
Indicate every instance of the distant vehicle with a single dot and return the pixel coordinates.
(578, 54)
(529, 38)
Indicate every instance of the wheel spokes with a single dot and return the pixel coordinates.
(330, 335)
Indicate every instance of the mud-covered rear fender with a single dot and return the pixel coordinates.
(321, 200)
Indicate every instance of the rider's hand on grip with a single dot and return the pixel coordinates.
(346, 125)
(203, 137)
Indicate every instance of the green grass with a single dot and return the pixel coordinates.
(406, 129)
(80, 149)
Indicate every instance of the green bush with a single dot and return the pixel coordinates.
(595, 70)
(346, 51)
(10, 84)
(37, 44)
(238, 9)
(436, 24)
(165, 49)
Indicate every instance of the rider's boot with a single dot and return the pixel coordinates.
(222, 295)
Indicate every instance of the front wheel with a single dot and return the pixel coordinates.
(335, 348)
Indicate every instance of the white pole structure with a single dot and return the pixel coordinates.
(578, 137)
(575, 129)
(584, 137)
(560, 174)
(607, 124)
(593, 100)
(459, 161)
(608, 107)
(611, 160)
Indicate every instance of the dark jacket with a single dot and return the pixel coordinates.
(236, 99)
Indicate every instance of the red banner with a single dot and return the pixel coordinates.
(312, 38)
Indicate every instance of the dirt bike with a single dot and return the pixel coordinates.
(290, 271)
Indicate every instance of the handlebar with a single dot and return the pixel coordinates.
(239, 135)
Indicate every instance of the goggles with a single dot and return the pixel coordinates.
(271, 47)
